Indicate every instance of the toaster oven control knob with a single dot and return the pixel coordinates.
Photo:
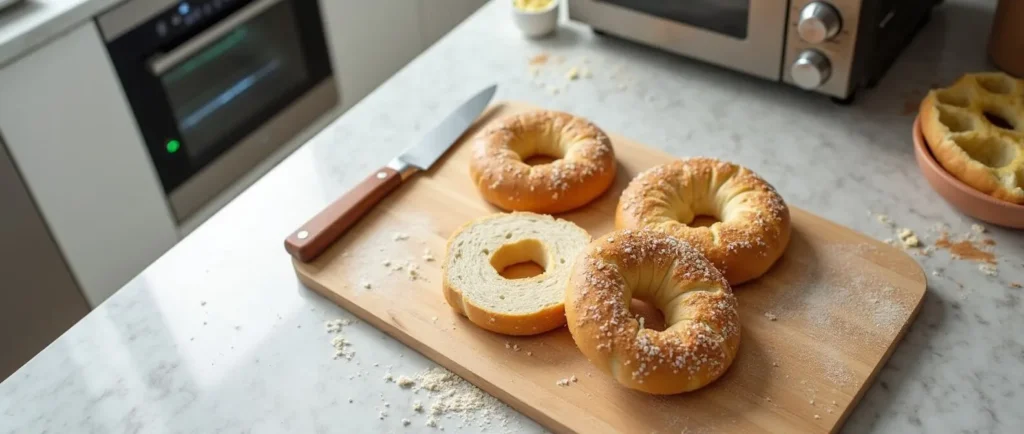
(811, 69)
(819, 22)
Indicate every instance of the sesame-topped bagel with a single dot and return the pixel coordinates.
(752, 228)
(584, 165)
(702, 331)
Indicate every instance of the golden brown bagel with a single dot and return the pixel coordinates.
(584, 166)
(478, 250)
(702, 331)
(975, 129)
(753, 221)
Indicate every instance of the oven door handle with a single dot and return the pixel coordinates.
(159, 64)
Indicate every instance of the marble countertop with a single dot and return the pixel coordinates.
(29, 24)
(218, 335)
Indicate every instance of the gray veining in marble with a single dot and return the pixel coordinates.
(219, 336)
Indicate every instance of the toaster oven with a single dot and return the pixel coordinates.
(832, 47)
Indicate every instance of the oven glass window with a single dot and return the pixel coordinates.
(225, 84)
(723, 16)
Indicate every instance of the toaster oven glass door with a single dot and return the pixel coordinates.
(728, 17)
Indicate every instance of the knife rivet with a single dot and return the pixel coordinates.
(382, 175)
(302, 235)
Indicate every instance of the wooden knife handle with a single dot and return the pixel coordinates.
(312, 238)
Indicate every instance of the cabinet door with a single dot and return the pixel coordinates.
(438, 17)
(370, 41)
(39, 299)
(73, 137)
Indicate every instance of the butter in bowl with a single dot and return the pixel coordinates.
(535, 18)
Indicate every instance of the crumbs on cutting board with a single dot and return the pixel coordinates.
(567, 381)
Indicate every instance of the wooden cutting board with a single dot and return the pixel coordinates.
(816, 329)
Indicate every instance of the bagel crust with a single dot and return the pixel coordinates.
(702, 333)
(753, 225)
(584, 166)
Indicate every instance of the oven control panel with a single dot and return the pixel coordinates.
(182, 17)
(820, 45)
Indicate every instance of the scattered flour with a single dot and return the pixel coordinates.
(399, 236)
(841, 306)
(338, 341)
(909, 238)
(988, 269)
(405, 382)
(450, 394)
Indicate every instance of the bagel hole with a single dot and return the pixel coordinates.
(539, 160)
(520, 260)
(654, 319)
(704, 221)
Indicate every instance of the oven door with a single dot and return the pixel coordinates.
(217, 86)
(745, 35)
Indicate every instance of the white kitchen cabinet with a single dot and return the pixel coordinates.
(438, 17)
(72, 136)
(371, 40)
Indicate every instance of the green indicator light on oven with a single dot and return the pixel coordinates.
(173, 146)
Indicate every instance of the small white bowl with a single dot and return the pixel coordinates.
(535, 24)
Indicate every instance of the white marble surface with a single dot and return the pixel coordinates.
(31, 23)
(219, 336)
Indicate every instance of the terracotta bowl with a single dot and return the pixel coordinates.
(962, 196)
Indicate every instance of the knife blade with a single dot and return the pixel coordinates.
(311, 239)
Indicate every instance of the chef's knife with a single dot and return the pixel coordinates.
(312, 238)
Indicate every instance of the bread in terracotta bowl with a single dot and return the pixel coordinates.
(962, 196)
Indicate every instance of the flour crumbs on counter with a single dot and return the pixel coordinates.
(405, 382)
(988, 269)
(338, 341)
(399, 236)
(909, 238)
(450, 395)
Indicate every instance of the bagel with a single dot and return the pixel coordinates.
(753, 224)
(480, 249)
(584, 166)
(975, 130)
(702, 331)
